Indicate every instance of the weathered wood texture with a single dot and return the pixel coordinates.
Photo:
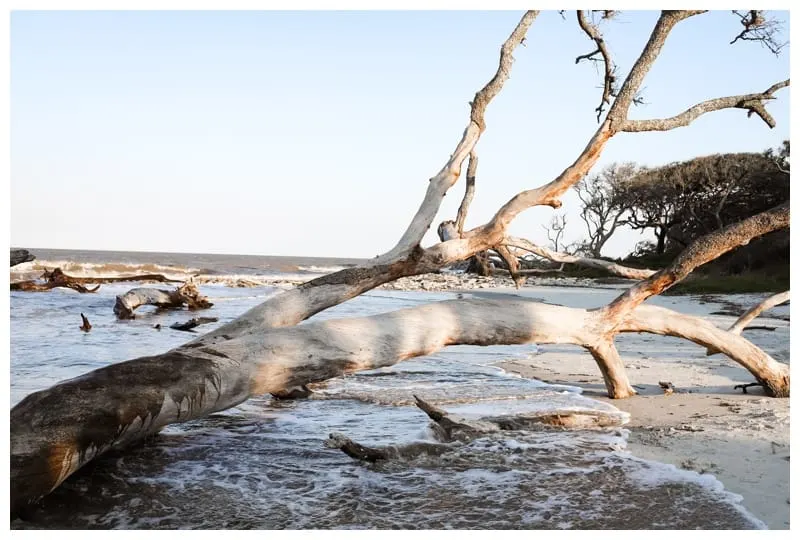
(186, 295)
(56, 431)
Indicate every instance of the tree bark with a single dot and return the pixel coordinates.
(187, 294)
(56, 431)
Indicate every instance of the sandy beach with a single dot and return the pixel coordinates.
(706, 426)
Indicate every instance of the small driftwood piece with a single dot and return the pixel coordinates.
(187, 294)
(193, 323)
(744, 387)
(19, 256)
(86, 326)
(451, 429)
(52, 279)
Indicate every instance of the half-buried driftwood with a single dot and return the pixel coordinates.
(19, 256)
(449, 428)
(187, 294)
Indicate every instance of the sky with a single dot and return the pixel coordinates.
(315, 133)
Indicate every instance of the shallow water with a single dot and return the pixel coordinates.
(263, 464)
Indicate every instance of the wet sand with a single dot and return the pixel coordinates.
(705, 425)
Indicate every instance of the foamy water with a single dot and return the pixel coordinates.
(264, 464)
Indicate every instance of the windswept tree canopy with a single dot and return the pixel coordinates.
(682, 201)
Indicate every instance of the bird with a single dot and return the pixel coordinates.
(86, 326)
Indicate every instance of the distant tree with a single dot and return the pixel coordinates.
(684, 200)
(555, 231)
(603, 206)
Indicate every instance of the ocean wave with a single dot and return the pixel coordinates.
(109, 269)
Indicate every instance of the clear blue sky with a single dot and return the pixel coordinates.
(314, 133)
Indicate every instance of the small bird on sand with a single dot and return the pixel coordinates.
(86, 326)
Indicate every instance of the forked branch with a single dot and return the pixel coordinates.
(444, 179)
(742, 322)
(609, 77)
(752, 103)
(704, 249)
(758, 27)
(555, 256)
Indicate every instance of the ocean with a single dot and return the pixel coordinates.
(264, 463)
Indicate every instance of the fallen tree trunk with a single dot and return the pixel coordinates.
(56, 431)
(748, 316)
(187, 294)
(19, 256)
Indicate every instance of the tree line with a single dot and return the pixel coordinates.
(682, 201)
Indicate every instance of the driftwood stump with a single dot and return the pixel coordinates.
(187, 294)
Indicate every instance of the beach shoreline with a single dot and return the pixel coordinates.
(705, 425)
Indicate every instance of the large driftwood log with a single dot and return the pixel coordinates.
(19, 256)
(56, 431)
(187, 294)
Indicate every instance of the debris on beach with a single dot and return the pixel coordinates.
(86, 326)
(667, 386)
(191, 323)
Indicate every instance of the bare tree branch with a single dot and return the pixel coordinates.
(753, 103)
(757, 27)
(609, 78)
(610, 267)
(630, 88)
(512, 263)
(704, 249)
(550, 193)
(444, 180)
(469, 193)
(748, 316)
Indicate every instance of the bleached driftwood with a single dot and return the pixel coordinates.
(56, 431)
(187, 294)
(449, 428)
(85, 417)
